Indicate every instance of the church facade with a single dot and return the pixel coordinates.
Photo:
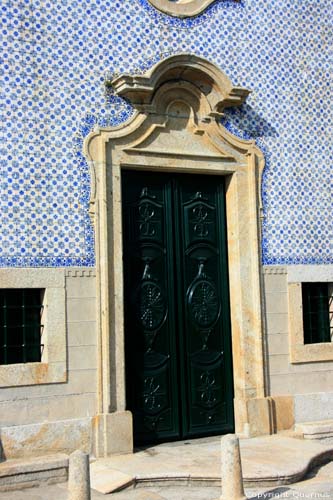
(166, 205)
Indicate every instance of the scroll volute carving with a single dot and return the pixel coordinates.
(179, 71)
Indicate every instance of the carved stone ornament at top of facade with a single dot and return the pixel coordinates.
(209, 80)
(181, 8)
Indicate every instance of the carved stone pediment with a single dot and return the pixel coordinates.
(178, 133)
(176, 141)
(181, 8)
(210, 81)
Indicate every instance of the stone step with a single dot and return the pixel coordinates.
(322, 429)
(266, 462)
(34, 471)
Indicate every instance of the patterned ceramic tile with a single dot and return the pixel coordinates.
(55, 57)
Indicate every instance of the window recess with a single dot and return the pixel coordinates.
(317, 300)
(21, 328)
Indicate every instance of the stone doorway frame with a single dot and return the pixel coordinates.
(176, 128)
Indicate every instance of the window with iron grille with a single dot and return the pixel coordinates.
(20, 325)
(317, 312)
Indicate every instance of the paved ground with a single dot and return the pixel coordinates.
(183, 464)
(266, 461)
(318, 485)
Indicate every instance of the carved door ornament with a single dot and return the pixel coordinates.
(181, 8)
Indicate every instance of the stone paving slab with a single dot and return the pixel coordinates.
(277, 460)
(267, 461)
(106, 481)
(317, 486)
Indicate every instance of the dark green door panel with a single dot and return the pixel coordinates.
(149, 307)
(206, 366)
(177, 332)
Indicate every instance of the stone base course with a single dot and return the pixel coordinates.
(29, 472)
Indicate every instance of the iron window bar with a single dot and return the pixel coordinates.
(20, 326)
(317, 312)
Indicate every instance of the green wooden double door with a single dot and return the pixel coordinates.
(177, 320)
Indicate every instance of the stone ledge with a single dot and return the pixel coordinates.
(25, 473)
(316, 430)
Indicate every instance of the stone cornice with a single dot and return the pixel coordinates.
(214, 83)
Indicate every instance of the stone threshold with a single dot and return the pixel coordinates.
(116, 481)
(33, 471)
(267, 462)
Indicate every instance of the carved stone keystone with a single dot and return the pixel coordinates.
(231, 469)
(79, 477)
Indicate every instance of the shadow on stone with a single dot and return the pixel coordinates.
(2, 453)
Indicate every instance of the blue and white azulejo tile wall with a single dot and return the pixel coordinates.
(55, 58)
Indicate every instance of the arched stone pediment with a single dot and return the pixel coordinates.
(210, 81)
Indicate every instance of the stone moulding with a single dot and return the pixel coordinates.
(176, 128)
(214, 84)
(274, 270)
(80, 273)
(181, 8)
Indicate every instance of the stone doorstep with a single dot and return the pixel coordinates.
(110, 481)
(33, 471)
(316, 430)
(174, 479)
(314, 455)
(177, 480)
